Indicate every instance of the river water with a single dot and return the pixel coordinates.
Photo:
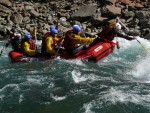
(120, 83)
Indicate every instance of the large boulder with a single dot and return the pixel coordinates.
(17, 18)
(84, 12)
(113, 11)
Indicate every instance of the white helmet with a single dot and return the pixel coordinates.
(17, 35)
(117, 26)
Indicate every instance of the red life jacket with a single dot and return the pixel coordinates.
(108, 32)
(32, 45)
(45, 36)
(11, 36)
(68, 43)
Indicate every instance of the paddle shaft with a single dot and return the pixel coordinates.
(52, 61)
(59, 47)
(123, 24)
(143, 46)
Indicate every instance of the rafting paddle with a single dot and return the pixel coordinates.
(142, 45)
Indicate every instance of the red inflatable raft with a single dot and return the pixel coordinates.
(94, 54)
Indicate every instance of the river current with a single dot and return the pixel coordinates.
(119, 83)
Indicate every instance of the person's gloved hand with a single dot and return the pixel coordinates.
(135, 37)
(132, 38)
(7, 44)
(118, 45)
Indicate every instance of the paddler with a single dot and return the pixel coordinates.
(28, 46)
(110, 32)
(52, 43)
(73, 39)
(15, 40)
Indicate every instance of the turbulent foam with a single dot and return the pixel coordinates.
(88, 108)
(115, 95)
(57, 98)
(141, 70)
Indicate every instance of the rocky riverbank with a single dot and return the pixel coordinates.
(92, 15)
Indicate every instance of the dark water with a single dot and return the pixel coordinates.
(120, 83)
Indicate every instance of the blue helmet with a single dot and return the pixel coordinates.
(54, 31)
(52, 27)
(27, 36)
(76, 28)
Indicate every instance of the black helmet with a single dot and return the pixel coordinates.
(13, 30)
